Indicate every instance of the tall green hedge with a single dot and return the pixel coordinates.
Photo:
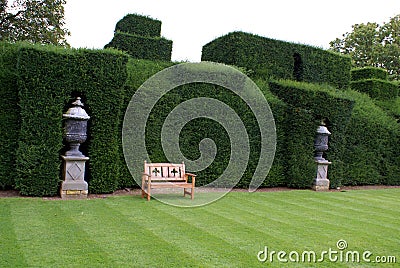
(196, 130)
(47, 79)
(310, 104)
(139, 71)
(9, 114)
(279, 60)
(372, 146)
(142, 47)
(41, 81)
(139, 25)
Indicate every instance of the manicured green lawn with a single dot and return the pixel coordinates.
(126, 231)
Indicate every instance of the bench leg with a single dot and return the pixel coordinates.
(187, 192)
(148, 192)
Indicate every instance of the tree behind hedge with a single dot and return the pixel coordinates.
(373, 45)
(36, 21)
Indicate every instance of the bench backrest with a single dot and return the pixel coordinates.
(165, 171)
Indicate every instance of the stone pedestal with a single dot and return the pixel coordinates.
(74, 185)
(321, 182)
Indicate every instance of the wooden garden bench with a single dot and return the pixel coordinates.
(166, 175)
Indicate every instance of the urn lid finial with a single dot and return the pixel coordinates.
(76, 111)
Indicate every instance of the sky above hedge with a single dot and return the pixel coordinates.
(192, 24)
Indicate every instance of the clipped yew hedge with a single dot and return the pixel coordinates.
(362, 148)
(9, 114)
(358, 74)
(372, 144)
(140, 37)
(377, 89)
(278, 59)
(142, 47)
(39, 83)
(310, 104)
(196, 130)
(48, 80)
(139, 25)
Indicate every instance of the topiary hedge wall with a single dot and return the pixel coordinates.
(368, 73)
(138, 72)
(196, 130)
(139, 25)
(371, 155)
(48, 79)
(9, 114)
(140, 47)
(140, 37)
(362, 147)
(373, 81)
(279, 60)
(41, 81)
(310, 104)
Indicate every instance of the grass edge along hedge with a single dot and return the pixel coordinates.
(48, 78)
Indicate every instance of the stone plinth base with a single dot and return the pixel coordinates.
(74, 194)
(321, 182)
(321, 185)
(74, 185)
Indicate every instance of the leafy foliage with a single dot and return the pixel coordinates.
(374, 45)
(37, 21)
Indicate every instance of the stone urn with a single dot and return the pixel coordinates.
(74, 185)
(321, 142)
(321, 181)
(75, 127)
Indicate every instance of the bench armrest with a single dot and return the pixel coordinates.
(190, 175)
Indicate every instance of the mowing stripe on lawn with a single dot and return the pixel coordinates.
(348, 222)
(10, 252)
(381, 204)
(297, 229)
(360, 216)
(352, 228)
(207, 247)
(127, 231)
(359, 209)
(48, 237)
(124, 237)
